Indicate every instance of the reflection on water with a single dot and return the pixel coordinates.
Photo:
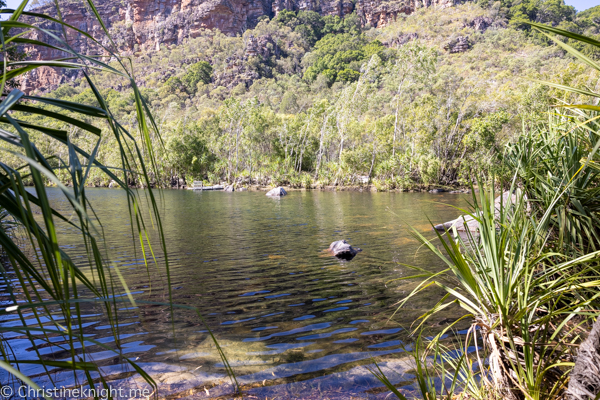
(293, 320)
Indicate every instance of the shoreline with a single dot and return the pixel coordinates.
(458, 189)
(366, 188)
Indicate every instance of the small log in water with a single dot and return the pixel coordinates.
(200, 186)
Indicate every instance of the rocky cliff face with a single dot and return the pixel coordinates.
(379, 13)
(143, 25)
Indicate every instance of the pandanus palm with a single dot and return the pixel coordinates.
(529, 279)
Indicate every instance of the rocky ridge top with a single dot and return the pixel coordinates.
(145, 25)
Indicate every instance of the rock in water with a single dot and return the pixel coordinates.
(342, 249)
(277, 192)
(585, 378)
(229, 188)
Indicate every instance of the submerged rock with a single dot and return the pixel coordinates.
(277, 192)
(342, 249)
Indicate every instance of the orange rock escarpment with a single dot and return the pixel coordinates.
(143, 25)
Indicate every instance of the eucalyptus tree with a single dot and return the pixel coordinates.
(231, 116)
(325, 132)
(412, 72)
(352, 103)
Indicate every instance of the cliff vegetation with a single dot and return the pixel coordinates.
(309, 100)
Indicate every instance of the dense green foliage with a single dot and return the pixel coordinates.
(308, 100)
(339, 57)
(528, 275)
(198, 73)
(553, 12)
(312, 27)
(589, 18)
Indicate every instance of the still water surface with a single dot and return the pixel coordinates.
(293, 321)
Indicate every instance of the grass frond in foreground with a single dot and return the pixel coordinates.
(529, 306)
(48, 290)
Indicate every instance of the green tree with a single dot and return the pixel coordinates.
(189, 156)
(196, 73)
(173, 84)
(349, 24)
(551, 12)
(348, 75)
(589, 17)
(311, 26)
(340, 52)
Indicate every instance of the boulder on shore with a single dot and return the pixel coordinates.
(229, 188)
(277, 192)
(468, 223)
(342, 249)
(463, 223)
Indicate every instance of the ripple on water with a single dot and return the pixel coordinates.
(255, 270)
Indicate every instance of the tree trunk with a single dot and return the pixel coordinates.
(320, 152)
(585, 378)
(372, 161)
(395, 130)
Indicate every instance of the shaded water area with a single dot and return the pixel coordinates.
(294, 321)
